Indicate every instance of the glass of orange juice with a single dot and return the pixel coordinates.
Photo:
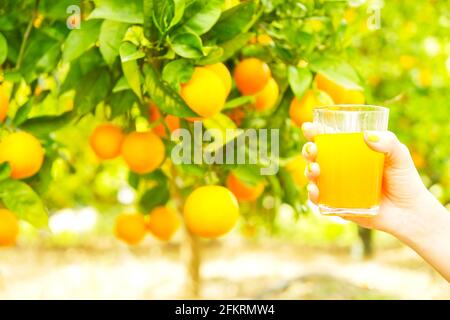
(350, 172)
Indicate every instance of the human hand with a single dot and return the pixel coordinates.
(404, 196)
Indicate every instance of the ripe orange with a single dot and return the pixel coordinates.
(251, 75)
(296, 167)
(143, 151)
(130, 228)
(339, 93)
(4, 103)
(106, 141)
(301, 110)
(211, 211)
(204, 93)
(163, 223)
(172, 122)
(9, 228)
(263, 39)
(267, 97)
(224, 74)
(244, 191)
(24, 154)
(237, 115)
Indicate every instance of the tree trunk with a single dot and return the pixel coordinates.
(366, 236)
(192, 261)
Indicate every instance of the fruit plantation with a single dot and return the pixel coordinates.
(91, 92)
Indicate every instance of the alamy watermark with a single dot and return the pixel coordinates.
(231, 146)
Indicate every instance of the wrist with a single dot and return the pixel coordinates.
(425, 220)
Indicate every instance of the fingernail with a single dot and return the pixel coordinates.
(372, 137)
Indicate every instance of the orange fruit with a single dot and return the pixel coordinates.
(296, 167)
(339, 93)
(242, 190)
(9, 228)
(237, 115)
(268, 96)
(163, 223)
(251, 75)
(130, 228)
(24, 154)
(301, 110)
(143, 151)
(263, 39)
(106, 141)
(4, 103)
(204, 93)
(211, 211)
(172, 122)
(224, 74)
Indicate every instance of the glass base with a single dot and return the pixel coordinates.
(345, 212)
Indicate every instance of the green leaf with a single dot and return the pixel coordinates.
(226, 50)
(234, 21)
(121, 85)
(121, 102)
(187, 45)
(80, 40)
(291, 195)
(249, 174)
(3, 48)
(337, 71)
(22, 113)
(129, 52)
(44, 125)
(163, 14)
(5, 171)
(18, 197)
(220, 136)
(92, 89)
(150, 30)
(203, 14)
(177, 72)
(154, 197)
(130, 67)
(299, 79)
(50, 59)
(129, 11)
(164, 96)
(239, 101)
(110, 39)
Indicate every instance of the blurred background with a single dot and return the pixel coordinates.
(405, 64)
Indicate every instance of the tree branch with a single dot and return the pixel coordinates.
(27, 35)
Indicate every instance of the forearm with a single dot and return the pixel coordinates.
(429, 234)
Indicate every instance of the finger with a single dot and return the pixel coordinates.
(397, 154)
(312, 171)
(309, 130)
(309, 151)
(313, 193)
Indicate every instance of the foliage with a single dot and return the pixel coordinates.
(128, 54)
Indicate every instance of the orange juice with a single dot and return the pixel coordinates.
(350, 173)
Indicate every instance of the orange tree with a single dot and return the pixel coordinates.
(147, 67)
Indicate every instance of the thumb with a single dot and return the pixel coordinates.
(397, 154)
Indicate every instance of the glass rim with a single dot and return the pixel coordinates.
(348, 107)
